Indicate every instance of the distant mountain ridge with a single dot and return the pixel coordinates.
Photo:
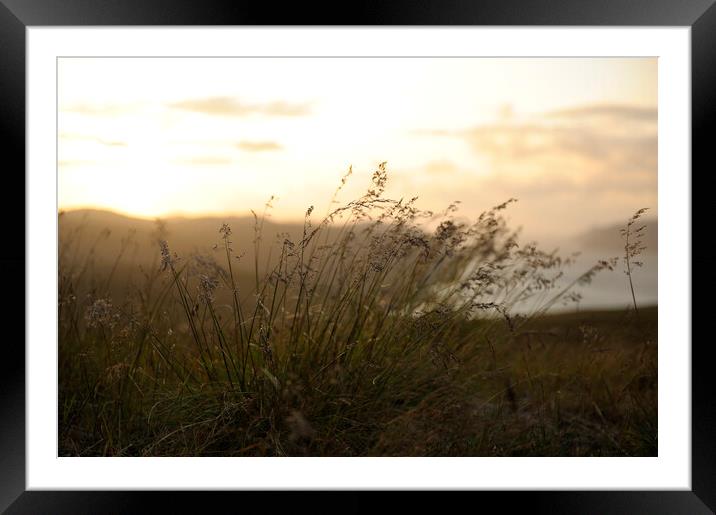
(609, 239)
(81, 231)
(193, 234)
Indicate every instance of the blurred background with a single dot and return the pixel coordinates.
(199, 142)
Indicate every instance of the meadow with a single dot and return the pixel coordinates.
(374, 329)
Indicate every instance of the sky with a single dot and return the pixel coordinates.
(574, 140)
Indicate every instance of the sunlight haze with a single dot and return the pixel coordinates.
(575, 140)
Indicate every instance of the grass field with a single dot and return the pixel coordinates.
(377, 330)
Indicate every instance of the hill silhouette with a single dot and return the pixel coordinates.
(109, 240)
(106, 232)
(608, 238)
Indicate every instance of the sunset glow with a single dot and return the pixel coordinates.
(157, 137)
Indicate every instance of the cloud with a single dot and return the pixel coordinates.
(441, 168)
(591, 143)
(99, 109)
(228, 106)
(203, 160)
(619, 112)
(108, 143)
(539, 148)
(570, 167)
(258, 146)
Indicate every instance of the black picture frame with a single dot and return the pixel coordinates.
(17, 15)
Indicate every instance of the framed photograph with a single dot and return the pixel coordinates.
(440, 248)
